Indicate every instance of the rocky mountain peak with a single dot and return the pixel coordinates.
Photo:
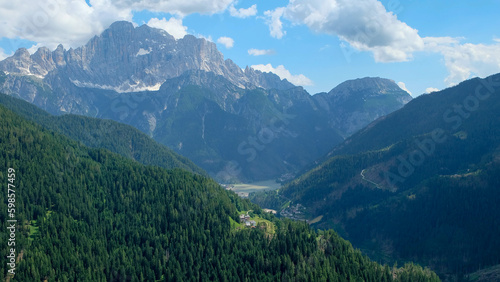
(121, 26)
(355, 103)
(22, 63)
(368, 85)
(125, 58)
(21, 53)
(267, 80)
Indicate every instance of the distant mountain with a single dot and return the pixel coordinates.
(355, 103)
(85, 214)
(238, 125)
(419, 184)
(107, 134)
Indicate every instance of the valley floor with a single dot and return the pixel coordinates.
(243, 189)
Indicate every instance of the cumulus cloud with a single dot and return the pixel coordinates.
(273, 20)
(466, 60)
(402, 85)
(72, 23)
(283, 73)
(243, 13)
(260, 52)
(366, 25)
(173, 26)
(228, 42)
(430, 90)
(53, 22)
(179, 7)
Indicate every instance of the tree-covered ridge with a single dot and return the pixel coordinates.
(91, 215)
(419, 184)
(98, 133)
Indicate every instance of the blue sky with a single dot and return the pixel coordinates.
(422, 45)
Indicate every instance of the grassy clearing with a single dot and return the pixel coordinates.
(270, 228)
(33, 227)
(33, 230)
(235, 225)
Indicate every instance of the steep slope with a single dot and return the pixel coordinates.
(95, 133)
(90, 215)
(419, 184)
(257, 139)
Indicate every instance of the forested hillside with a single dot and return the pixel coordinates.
(91, 215)
(98, 133)
(420, 184)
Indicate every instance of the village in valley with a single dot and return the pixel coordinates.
(289, 210)
(296, 212)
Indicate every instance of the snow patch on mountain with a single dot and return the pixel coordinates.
(143, 52)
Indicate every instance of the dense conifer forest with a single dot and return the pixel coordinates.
(87, 214)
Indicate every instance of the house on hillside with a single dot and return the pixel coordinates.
(244, 217)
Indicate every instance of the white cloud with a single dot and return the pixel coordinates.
(228, 42)
(178, 7)
(243, 13)
(259, 52)
(431, 43)
(273, 20)
(430, 90)
(173, 26)
(366, 25)
(73, 23)
(54, 22)
(283, 73)
(402, 85)
(466, 60)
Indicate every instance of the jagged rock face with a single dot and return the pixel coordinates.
(353, 104)
(128, 59)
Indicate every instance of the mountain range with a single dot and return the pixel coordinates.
(237, 124)
(419, 184)
(403, 179)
